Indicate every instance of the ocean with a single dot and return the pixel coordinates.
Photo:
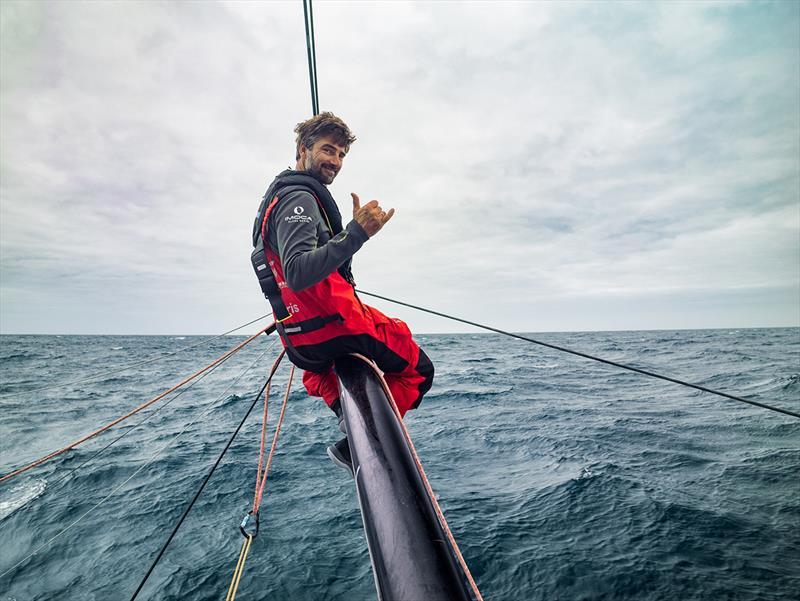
(561, 478)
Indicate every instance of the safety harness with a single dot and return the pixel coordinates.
(311, 303)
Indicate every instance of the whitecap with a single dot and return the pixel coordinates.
(18, 496)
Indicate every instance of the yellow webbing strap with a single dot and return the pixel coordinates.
(237, 573)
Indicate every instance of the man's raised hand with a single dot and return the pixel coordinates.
(371, 216)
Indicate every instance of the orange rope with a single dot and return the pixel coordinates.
(62, 450)
(427, 484)
(263, 478)
(264, 425)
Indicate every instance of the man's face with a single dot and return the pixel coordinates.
(323, 160)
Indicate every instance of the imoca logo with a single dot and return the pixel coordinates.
(298, 210)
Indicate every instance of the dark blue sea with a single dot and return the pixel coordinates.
(561, 478)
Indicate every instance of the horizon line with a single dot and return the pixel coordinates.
(479, 331)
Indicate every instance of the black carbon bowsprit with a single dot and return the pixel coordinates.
(411, 557)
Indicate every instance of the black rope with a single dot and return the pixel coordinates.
(314, 52)
(588, 356)
(203, 485)
(312, 55)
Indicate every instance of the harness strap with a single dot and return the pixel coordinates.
(309, 325)
(296, 357)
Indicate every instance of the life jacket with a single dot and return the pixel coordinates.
(320, 312)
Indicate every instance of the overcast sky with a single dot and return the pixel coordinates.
(564, 166)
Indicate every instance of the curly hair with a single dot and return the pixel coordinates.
(324, 124)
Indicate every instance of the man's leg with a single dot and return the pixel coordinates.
(407, 369)
(323, 385)
(327, 386)
(410, 383)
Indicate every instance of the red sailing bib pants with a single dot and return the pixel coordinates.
(358, 328)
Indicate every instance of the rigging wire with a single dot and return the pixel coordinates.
(122, 368)
(588, 356)
(311, 49)
(149, 416)
(314, 51)
(149, 461)
(205, 481)
(56, 453)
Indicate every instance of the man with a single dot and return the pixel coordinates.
(302, 258)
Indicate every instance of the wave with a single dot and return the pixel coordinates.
(20, 495)
(18, 357)
(549, 467)
(118, 379)
(790, 382)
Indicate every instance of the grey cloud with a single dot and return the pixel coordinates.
(559, 154)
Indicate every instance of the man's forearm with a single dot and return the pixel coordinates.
(297, 223)
(304, 269)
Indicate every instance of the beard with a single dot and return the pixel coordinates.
(315, 169)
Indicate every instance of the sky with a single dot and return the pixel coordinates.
(561, 166)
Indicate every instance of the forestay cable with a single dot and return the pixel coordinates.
(311, 49)
(587, 356)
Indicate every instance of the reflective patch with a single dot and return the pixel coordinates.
(298, 218)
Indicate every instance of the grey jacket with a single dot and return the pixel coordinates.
(299, 234)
